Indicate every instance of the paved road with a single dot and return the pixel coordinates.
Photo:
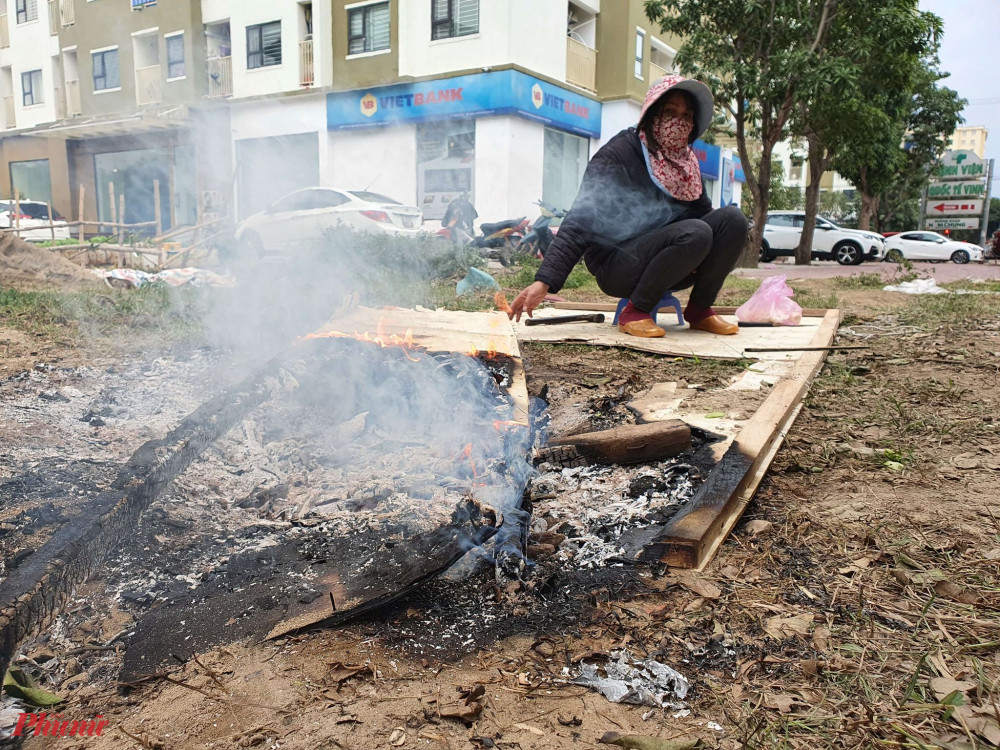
(942, 272)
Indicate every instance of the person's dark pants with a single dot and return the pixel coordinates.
(698, 253)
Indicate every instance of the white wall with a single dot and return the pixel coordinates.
(277, 78)
(383, 160)
(264, 119)
(31, 48)
(531, 33)
(615, 117)
(509, 154)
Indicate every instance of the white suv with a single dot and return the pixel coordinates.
(848, 247)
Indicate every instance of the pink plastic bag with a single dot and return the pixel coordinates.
(771, 303)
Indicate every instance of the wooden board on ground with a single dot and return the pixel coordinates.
(680, 341)
(691, 538)
(439, 331)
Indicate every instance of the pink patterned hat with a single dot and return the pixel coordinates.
(704, 103)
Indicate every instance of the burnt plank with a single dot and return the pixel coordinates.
(697, 529)
(631, 444)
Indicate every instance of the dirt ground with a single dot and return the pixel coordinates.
(856, 605)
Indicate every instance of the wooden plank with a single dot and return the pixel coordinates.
(686, 541)
(83, 193)
(679, 341)
(439, 331)
(807, 312)
(630, 444)
(747, 495)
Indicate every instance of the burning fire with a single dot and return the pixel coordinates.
(380, 338)
(467, 455)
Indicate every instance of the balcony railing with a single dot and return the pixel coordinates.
(307, 75)
(656, 73)
(581, 65)
(73, 98)
(148, 85)
(220, 76)
(53, 17)
(4, 32)
(8, 113)
(67, 14)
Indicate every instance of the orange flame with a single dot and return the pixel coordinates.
(404, 342)
(467, 455)
(501, 302)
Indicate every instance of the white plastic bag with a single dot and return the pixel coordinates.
(771, 303)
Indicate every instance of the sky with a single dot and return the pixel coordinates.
(969, 53)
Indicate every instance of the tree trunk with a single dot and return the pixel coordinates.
(761, 199)
(818, 161)
(869, 212)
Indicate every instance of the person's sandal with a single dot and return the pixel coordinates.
(715, 324)
(645, 328)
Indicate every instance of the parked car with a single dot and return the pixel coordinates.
(925, 245)
(33, 221)
(307, 214)
(849, 247)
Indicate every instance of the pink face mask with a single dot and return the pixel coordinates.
(671, 132)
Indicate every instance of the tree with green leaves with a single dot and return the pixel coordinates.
(855, 110)
(756, 56)
(892, 169)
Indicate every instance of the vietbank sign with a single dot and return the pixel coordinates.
(503, 92)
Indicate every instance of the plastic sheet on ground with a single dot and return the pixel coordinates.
(172, 277)
(917, 286)
(642, 682)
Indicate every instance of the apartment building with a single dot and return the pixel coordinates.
(971, 138)
(226, 105)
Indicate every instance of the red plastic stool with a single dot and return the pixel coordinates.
(667, 300)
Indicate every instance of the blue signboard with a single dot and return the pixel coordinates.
(728, 178)
(740, 177)
(140, 4)
(708, 158)
(499, 92)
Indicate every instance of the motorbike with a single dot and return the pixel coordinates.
(495, 240)
(537, 241)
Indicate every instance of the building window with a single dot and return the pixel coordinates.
(563, 165)
(27, 10)
(31, 86)
(175, 56)
(368, 29)
(107, 74)
(264, 45)
(451, 18)
(640, 44)
(140, 4)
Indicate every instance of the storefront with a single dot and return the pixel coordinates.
(504, 138)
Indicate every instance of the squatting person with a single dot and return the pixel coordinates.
(642, 221)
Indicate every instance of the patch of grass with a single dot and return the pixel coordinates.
(860, 281)
(977, 285)
(171, 314)
(943, 309)
(809, 298)
(580, 279)
(57, 243)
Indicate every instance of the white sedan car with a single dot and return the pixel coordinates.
(33, 221)
(925, 245)
(306, 214)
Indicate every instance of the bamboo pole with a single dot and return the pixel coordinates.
(17, 212)
(159, 220)
(52, 226)
(121, 216)
(111, 197)
(83, 193)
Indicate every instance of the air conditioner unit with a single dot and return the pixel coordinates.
(211, 198)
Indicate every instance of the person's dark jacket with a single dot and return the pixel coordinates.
(617, 202)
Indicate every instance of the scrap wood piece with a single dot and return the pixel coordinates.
(353, 580)
(631, 444)
(315, 578)
(693, 535)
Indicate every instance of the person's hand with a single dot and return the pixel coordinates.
(528, 300)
